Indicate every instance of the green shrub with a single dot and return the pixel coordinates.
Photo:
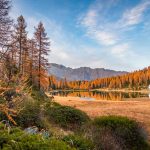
(2, 115)
(30, 115)
(2, 100)
(55, 104)
(79, 142)
(9, 94)
(39, 95)
(116, 133)
(19, 140)
(67, 117)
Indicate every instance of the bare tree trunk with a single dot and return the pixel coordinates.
(20, 54)
(39, 82)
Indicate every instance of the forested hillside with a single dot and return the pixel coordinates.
(135, 80)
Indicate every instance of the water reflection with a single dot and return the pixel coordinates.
(100, 95)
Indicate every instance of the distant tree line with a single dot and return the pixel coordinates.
(135, 80)
(22, 58)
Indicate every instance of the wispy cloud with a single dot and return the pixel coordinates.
(95, 24)
(120, 50)
(93, 21)
(106, 31)
(104, 37)
(90, 18)
(134, 15)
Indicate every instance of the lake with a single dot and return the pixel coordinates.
(100, 95)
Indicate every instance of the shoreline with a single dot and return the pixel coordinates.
(145, 91)
(80, 99)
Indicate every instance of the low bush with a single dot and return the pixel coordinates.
(116, 133)
(39, 95)
(30, 115)
(19, 140)
(67, 117)
(9, 94)
(79, 142)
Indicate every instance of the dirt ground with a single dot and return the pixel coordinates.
(138, 109)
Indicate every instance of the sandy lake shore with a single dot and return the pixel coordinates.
(138, 109)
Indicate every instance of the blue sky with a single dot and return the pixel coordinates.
(112, 34)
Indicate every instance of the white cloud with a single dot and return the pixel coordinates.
(90, 18)
(105, 31)
(135, 15)
(105, 38)
(96, 26)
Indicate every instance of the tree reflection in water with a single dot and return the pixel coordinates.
(101, 95)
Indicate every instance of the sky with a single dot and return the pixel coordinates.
(112, 34)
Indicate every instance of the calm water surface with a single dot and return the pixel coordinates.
(100, 95)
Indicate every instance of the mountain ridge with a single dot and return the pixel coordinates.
(81, 73)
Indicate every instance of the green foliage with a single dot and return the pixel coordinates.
(2, 100)
(32, 88)
(39, 95)
(116, 132)
(19, 140)
(67, 117)
(9, 94)
(79, 142)
(30, 115)
(55, 104)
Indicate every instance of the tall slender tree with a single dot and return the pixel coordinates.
(43, 48)
(32, 62)
(20, 37)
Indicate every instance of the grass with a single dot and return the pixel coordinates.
(116, 132)
(79, 142)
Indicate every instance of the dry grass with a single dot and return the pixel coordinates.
(132, 108)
